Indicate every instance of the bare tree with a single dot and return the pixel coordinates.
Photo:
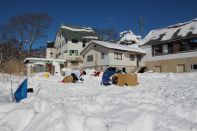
(28, 28)
(107, 34)
(7, 43)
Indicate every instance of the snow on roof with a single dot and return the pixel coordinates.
(43, 59)
(179, 30)
(75, 32)
(129, 37)
(86, 29)
(90, 37)
(118, 47)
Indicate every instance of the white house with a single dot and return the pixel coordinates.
(70, 41)
(172, 49)
(50, 50)
(99, 55)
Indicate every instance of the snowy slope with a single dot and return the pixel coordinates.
(162, 102)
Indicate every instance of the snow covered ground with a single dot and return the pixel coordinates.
(161, 102)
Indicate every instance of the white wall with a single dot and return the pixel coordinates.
(67, 47)
(49, 51)
(125, 59)
(97, 61)
(109, 59)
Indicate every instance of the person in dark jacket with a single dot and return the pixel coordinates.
(107, 74)
(77, 75)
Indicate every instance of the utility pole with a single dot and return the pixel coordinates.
(141, 24)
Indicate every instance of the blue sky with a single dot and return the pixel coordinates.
(119, 14)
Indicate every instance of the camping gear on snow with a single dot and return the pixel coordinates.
(68, 79)
(46, 74)
(21, 92)
(74, 77)
(31, 90)
(107, 74)
(125, 79)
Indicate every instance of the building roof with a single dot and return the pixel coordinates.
(170, 33)
(45, 60)
(131, 48)
(80, 33)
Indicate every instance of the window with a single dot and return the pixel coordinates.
(176, 47)
(73, 53)
(157, 49)
(180, 68)
(192, 44)
(117, 56)
(102, 55)
(65, 51)
(139, 57)
(90, 58)
(157, 68)
(183, 46)
(170, 48)
(83, 44)
(132, 57)
(194, 66)
(74, 41)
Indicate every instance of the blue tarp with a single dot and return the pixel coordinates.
(107, 74)
(21, 92)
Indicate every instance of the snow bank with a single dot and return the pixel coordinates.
(161, 102)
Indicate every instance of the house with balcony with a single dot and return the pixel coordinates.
(172, 49)
(70, 41)
(99, 55)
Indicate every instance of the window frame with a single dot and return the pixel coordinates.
(132, 57)
(117, 56)
(75, 41)
(102, 55)
(89, 58)
(75, 52)
(192, 67)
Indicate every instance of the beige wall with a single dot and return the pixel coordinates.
(171, 64)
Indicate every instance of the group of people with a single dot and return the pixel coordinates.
(76, 75)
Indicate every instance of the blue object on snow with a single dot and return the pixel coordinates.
(21, 92)
(107, 74)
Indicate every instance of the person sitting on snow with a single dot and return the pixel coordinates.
(77, 75)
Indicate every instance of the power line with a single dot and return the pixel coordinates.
(141, 23)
